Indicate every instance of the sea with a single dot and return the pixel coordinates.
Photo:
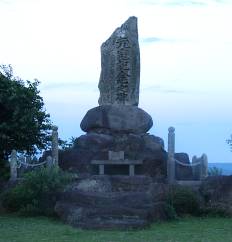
(225, 167)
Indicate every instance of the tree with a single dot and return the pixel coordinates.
(24, 123)
(215, 171)
(229, 142)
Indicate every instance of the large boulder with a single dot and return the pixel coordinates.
(118, 118)
(95, 146)
(109, 202)
(183, 172)
(95, 141)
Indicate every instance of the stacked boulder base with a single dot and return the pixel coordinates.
(118, 124)
(117, 128)
(112, 202)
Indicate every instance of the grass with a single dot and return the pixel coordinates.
(19, 229)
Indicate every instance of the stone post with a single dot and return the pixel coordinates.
(204, 166)
(171, 153)
(200, 171)
(195, 168)
(13, 166)
(49, 161)
(55, 148)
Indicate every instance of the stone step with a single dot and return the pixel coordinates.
(93, 218)
(129, 183)
(126, 223)
(113, 183)
(112, 202)
(110, 211)
(110, 199)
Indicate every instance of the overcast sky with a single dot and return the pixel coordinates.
(186, 58)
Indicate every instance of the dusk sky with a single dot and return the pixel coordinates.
(186, 62)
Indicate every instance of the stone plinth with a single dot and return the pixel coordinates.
(112, 202)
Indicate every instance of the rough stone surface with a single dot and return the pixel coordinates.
(116, 200)
(95, 141)
(128, 202)
(120, 66)
(95, 146)
(121, 118)
(183, 172)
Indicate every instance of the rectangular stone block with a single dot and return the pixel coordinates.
(116, 155)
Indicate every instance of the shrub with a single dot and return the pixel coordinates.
(184, 201)
(170, 212)
(36, 193)
(214, 171)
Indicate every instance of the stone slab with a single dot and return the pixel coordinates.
(120, 66)
(117, 162)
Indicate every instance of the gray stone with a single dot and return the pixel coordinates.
(171, 152)
(94, 185)
(116, 155)
(49, 161)
(95, 146)
(200, 167)
(13, 165)
(183, 172)
(55, 147)
(120, 63)
(121, 118)
(153, 142)
(128, 202)
(95, 141)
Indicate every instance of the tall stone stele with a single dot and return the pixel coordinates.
(120, 66)
(119, 85)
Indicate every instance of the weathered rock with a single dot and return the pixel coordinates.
(183, 172)
(76, 160)
(120, 63)
(93, 184)
(153, 142)
(128, 202)
(200, 171)
(121, 118)
(94, 146)
(102, 217)
(95, 141)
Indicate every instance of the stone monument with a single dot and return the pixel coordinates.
(118, 162)
(118, 124)
(120, 63)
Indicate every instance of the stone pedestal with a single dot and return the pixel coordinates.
(113, 202)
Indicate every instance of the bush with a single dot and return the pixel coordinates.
(170, 212)
(36, 193)
(214, 171)
(183, 201)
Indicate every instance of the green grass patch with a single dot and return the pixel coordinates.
(41, 229)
